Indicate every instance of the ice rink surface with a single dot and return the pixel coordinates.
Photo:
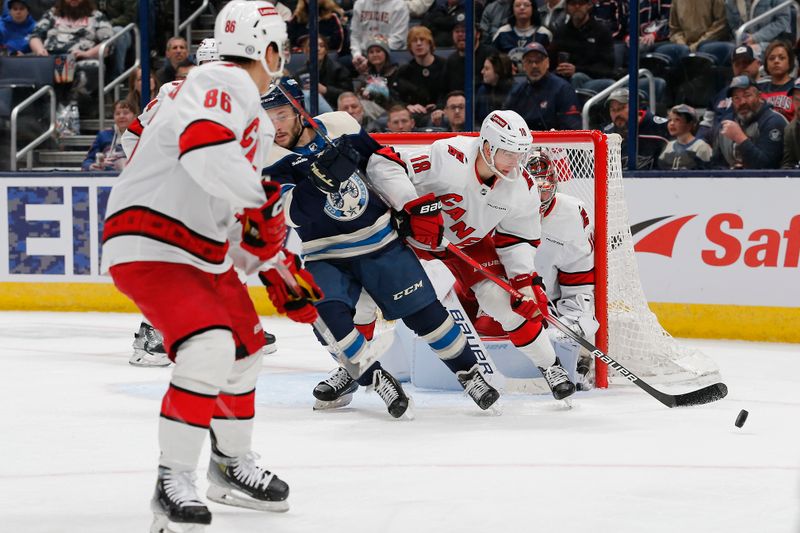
(79, 446)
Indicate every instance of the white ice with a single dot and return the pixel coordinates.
(79, 451)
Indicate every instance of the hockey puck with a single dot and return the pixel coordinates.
(741, 419)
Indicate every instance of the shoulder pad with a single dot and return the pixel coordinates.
(339, 123)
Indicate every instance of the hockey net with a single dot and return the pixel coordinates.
(589, 167)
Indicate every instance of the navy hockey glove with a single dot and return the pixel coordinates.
(334, 165)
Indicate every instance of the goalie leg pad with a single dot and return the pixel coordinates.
(436, 327)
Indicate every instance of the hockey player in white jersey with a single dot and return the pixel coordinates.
(490, 205)
(166, 245)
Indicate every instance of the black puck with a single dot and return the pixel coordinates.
(741, 419)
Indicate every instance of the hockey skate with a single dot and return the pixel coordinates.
(583, 381)
(477, 388)
(148, 347)
(240, 482)
(558, 380)
(175, 504)
(335, 391)
(270, 346)
(397, 402)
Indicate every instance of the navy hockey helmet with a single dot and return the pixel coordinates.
(275, 98)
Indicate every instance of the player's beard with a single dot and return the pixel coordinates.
(292, 136)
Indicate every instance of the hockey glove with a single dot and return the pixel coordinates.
(334, 165)
(533, 305)
(264, 229)
(296, 300)
(421, 223)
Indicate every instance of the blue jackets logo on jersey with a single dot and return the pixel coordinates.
(350, 202)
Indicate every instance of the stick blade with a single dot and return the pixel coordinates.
(709, 394)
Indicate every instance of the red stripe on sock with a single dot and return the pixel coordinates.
(188, 407)
(236, 406)
(526, 333)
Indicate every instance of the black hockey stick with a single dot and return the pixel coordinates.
(707, 394)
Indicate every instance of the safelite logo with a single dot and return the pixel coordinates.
(727, 241)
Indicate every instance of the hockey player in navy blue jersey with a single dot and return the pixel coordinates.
(350, 241)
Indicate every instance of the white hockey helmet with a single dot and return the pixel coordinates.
(244, 29)
(509, 137)
(540, 167)
(207, 51)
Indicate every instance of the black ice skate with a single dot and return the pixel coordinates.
(270, 346)
(335, 391)
(240, 482)
(148, 347)
(477, 388)
(390, 391)
(175, 504)
(558, 380)
(583, 382)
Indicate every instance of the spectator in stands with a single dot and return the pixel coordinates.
(37, 8)
(614, 13)
(523, 27)
(685, 152)
(15, 27)
(777, 26)
(454, 64)
(418, 8)
(351, 104)
(377, 18)
(552, 13)
(441, 19)
(495, 15)
(120, 13)
(744, 62)
(422, 82)
(454, 115)
(183, 68)
(134, 97)
(754, 137)
(106, 152)
(653, 24)
(330, 24)
(378, 80)
(545, 100)
(791, 138)
(177, 51)
(697, 26)
(74, 28)
(779, 63)
(653, 131)
(334, 78)
(584, 48)
(399, 120)
(497, 81)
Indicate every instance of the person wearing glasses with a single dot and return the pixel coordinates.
(453, 117)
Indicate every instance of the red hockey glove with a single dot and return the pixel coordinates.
(421, 223)
(533, 305)
(264, 229)
(285, 297)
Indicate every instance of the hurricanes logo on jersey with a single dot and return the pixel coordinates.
(350, 202)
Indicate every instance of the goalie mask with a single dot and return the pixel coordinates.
(246, 29)
(540, 168)
(507, 139)
(207, 51)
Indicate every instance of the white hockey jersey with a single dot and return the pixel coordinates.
(197, 164)
(565, 257)
(135, 129)
(507, 210)
(387, 19)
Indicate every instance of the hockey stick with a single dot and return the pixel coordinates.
(319, 325)
(707, 394)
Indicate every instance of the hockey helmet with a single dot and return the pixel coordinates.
(244, 29)
(509, 140)
(207, 51)
(275, 98)
(541, 169)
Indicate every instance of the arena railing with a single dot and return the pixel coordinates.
(789, 4)
(601, 96)
(187, 24)
(103, 89)
(28, 149)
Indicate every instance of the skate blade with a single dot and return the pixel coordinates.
(322, 405)
(162, 524)
(233, 497)
(143, 358)
(568, 403)
(268, 349)
(409, 414)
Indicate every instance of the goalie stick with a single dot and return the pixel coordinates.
(707, 394)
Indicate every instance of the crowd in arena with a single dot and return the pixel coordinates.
(398, 66)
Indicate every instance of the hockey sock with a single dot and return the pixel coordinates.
(533, 344)
(235, 409)
(444, 337)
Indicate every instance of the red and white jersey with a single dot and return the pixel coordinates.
(197, 164)
(134, 131)
(565, 257)
(507, 210)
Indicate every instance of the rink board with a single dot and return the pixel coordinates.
(719, 260)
